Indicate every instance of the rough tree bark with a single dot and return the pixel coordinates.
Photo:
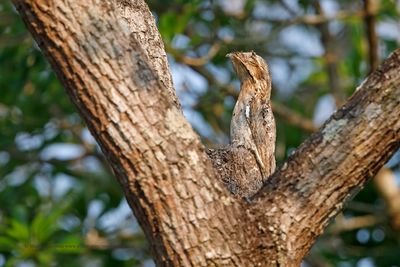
(110, 59)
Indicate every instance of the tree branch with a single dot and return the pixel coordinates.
(336, 162)
(130, 110)
(370, 7)
(330, 57)
(140, 22)
(385, 182)
(316, 19)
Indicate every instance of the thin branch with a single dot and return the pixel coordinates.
(13, 40)
(363, 207)
(287, 8)
(342, 224)
(94, 240)
(316, 19)
(330, 56)
(294, 118)
(385, 182)
(370, 8)
(199, 61)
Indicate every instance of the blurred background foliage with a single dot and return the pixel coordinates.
(60, 205)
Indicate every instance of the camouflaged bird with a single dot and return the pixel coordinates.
(253, 124)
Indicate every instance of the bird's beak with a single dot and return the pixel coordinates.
(229, 55)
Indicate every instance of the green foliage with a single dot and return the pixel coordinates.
(37, 224)
(171, 25)
(40, 239)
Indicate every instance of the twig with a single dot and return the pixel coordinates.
(316, 19)
(330, 58)
(14, 40)
(385, 182)
(370, 7)
(293, 118)
(288, 8)
(199, 61)
(363, 207)
(343, 224)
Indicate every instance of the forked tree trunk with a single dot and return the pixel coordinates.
(111, 61)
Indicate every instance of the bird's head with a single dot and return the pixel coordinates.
(249, 65)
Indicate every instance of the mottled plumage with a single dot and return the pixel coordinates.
(253, 124)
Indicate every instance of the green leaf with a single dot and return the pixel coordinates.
(45, 257)
(171, 24)
(43, 226)
(7, 244)
(69, 244)
(18, 231)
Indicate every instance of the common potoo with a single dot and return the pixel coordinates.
(253, 124)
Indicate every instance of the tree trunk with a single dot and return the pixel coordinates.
(111, 61)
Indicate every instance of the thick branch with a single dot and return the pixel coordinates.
(335, 163)
(156, 156)
(136, 14)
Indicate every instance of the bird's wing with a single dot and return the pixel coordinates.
(262, 126)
